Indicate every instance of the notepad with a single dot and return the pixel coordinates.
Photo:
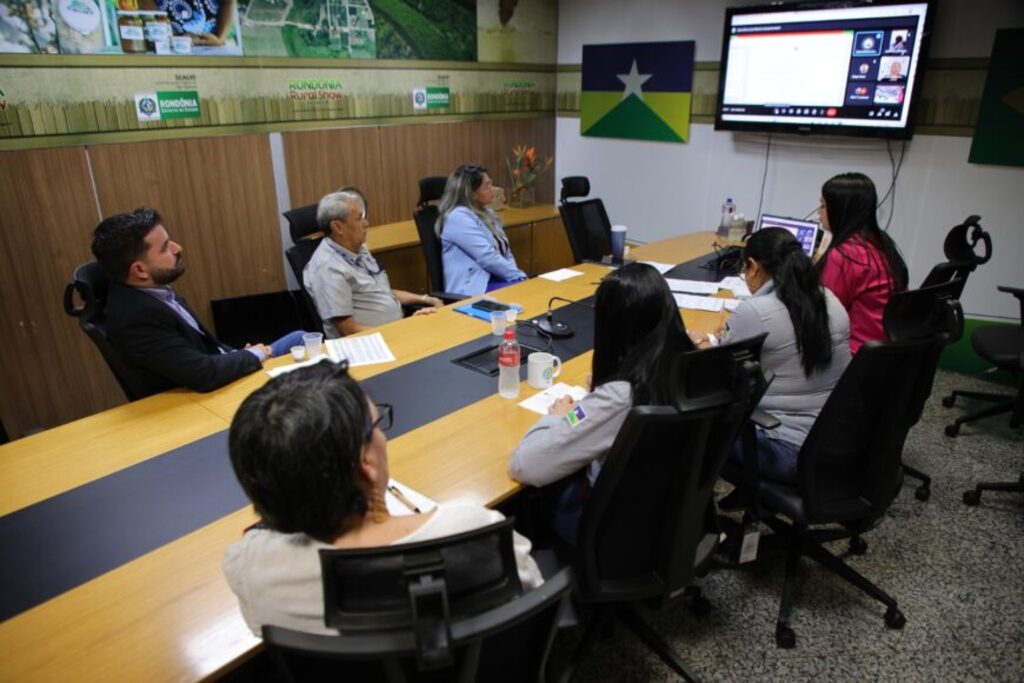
(542, 400)
(362, 350)
(413, 500)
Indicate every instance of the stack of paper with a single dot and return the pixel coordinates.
(737, 285)
(362, 350)
(699, 303)
(692, 286)
(660, 267)
(285, 369)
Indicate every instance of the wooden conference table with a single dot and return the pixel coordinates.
(169, 614)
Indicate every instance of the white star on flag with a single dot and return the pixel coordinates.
(633, 80)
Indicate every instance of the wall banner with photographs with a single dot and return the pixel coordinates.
(84, 67)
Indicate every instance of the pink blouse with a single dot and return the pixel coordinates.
(857, 273)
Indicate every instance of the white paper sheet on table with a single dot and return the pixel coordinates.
(285, 369)
(560, 274)
(737, 285)
(730, 304)
(692, 286)
(542, 400)
(698, 303)
(660, 267)
(416, 500)
(363, 350)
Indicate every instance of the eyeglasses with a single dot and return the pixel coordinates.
(385, 417)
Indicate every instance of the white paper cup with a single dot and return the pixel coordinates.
(498, 322)
(298, 352)
(313, 343)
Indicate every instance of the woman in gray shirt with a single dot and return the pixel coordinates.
(808, 343)
(637, 333)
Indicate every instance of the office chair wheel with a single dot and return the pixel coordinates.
(785, 638)
(894, 618)
(923, 492)
(952, 430)
(948, 401)
(858, 546)
(972, 498)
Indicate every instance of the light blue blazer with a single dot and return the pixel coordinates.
(470, 256)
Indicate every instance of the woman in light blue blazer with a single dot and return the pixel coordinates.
(475, 252)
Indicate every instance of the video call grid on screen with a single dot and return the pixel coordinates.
(826, 66)
(805, 232)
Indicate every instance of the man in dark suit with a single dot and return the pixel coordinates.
(153, 328)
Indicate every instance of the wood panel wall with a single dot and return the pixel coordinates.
(386, 163)
(49, 371)
(217, 197)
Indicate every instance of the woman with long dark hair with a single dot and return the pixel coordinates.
(475, 252)
(637, 333)
(807, 347)
(862, 265)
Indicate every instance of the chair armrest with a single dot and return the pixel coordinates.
(449, 297)
(764, 420)
(1017, 292)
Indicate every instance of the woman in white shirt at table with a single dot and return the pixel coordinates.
(475, 252)
(309, 450)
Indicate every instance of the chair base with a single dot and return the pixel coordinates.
(803, 542)
(973, 496)
(924, 491)
(1004, 403)
(632, 617)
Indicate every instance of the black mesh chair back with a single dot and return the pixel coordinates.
(90, 283)
(929, 313)
(586, 222)
(962, 256)
(445, 609)
(425, 216)
(646, 527)
(850, 463)
(306, 237)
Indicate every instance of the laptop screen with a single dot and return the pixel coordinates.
(806, 232)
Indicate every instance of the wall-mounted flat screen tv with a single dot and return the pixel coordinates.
(847, 68)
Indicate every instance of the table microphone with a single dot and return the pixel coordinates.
(556, 328)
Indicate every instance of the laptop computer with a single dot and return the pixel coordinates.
(806, 232)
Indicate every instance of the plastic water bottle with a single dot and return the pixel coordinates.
(728, 217)
(508, 365)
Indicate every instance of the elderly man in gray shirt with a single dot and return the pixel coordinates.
(350, 290)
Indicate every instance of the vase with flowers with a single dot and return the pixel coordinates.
(523, 171)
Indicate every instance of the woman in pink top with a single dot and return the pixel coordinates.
(862, 265)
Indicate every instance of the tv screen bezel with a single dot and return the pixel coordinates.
(893, 133)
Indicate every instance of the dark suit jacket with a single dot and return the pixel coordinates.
(164, 350)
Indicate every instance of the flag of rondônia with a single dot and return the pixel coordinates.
(639, 91)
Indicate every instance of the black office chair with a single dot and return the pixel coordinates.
(928, 313)
(849, 471)
(306, 237)
(649, 528)
(425, 216)
(1003, 346)
(446, 609)
(586, 222)
(90, 283)
(962, 256)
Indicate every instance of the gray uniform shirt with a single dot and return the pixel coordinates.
(345, 284)
(555, 447)
(793, 398)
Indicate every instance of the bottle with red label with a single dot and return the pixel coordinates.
(508, 365)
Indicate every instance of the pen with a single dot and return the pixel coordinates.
(402, 499)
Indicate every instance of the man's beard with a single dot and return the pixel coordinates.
(168, 275)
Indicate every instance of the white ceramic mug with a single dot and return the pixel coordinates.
(542, 369)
